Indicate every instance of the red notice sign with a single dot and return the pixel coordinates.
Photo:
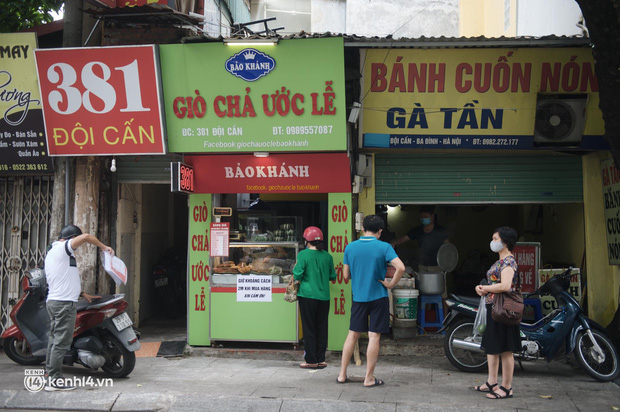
(528, 258)
(278, 173)
(101, 101)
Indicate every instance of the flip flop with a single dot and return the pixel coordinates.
(309, 366)
(378, 382)
(489, 386)
(322, 365)
(345, 381)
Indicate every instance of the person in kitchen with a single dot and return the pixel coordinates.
(430, 237)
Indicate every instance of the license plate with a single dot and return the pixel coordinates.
(161, 282)
(122, 322)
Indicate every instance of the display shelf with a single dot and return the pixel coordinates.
(232, 318)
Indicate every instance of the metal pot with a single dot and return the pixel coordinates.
(431, 283)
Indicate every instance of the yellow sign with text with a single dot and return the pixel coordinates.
(475, 98)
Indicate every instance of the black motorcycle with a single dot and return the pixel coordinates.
(169, 282)
(540, 340)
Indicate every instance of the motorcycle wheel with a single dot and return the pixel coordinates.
(18, 351)
(603, 369)
(465, 360)
(119, 362)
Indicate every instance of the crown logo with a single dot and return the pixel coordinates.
(249, 55)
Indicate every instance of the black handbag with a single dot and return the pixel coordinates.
(508, 307)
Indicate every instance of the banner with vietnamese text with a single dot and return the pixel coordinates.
(340, 235)
(227, 98)
(277, 173)
(101, 100)
(484, 98)
(22, 135)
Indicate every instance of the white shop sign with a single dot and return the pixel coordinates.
(548, 302)
(254, 288)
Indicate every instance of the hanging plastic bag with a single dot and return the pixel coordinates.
(480, 324)
(290, 295)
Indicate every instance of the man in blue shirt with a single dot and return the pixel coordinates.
(365, 261)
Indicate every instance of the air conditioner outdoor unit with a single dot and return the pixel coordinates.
(559, 121)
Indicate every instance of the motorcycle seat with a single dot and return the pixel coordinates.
(83, 304)
(475, 302)
(541, 322)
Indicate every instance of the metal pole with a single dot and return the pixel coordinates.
(67, 181)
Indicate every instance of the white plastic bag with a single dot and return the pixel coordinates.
(480, 324)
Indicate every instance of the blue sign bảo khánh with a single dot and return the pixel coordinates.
(250, 65)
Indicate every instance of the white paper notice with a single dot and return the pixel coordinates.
(114, 267)
(253, 288)
(220, 232)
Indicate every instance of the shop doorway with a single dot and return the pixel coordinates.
(152, 241)
(558, 227)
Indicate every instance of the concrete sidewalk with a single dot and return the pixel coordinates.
(264, 380)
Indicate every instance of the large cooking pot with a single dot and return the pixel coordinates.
(431, 283)
(435, 283)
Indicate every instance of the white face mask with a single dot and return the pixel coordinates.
(496, 246)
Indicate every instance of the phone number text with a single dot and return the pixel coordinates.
(302, 130)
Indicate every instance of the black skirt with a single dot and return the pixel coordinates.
(499, 338)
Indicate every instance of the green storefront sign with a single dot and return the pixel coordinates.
(285, 97)
(340, 235)
(198, 271)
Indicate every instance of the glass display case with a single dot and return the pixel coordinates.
(270, 228)
(256, 258)
(267, 318)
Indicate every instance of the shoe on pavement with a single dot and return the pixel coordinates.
(54, 386)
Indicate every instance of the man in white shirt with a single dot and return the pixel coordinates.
(65, 288)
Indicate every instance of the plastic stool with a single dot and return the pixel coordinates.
(535, 304)
(431, 300)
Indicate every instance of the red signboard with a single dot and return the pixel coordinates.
(101, 101)
(528, 258)
(281, 173)
(182, 178)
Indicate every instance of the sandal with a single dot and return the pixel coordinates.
(498, 396)
(489, 387)
(309, 366)
(378, 382)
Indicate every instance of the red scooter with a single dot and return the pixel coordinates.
(102, 338)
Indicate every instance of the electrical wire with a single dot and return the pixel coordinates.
(392, 43)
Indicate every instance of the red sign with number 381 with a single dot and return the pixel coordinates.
(101, 101)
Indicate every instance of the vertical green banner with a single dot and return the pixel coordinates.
(198, 270)
(340, 235)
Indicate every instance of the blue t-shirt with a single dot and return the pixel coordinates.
(367, 258)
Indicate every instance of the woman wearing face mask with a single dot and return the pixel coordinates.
(430, 236)
(500, 341)
(314, 270)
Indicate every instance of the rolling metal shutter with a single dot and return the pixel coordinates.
(145, 169)
(445, 179)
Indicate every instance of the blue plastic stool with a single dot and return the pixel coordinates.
(535, 304)
(431, 300)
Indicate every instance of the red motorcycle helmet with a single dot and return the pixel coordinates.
(313, 233)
